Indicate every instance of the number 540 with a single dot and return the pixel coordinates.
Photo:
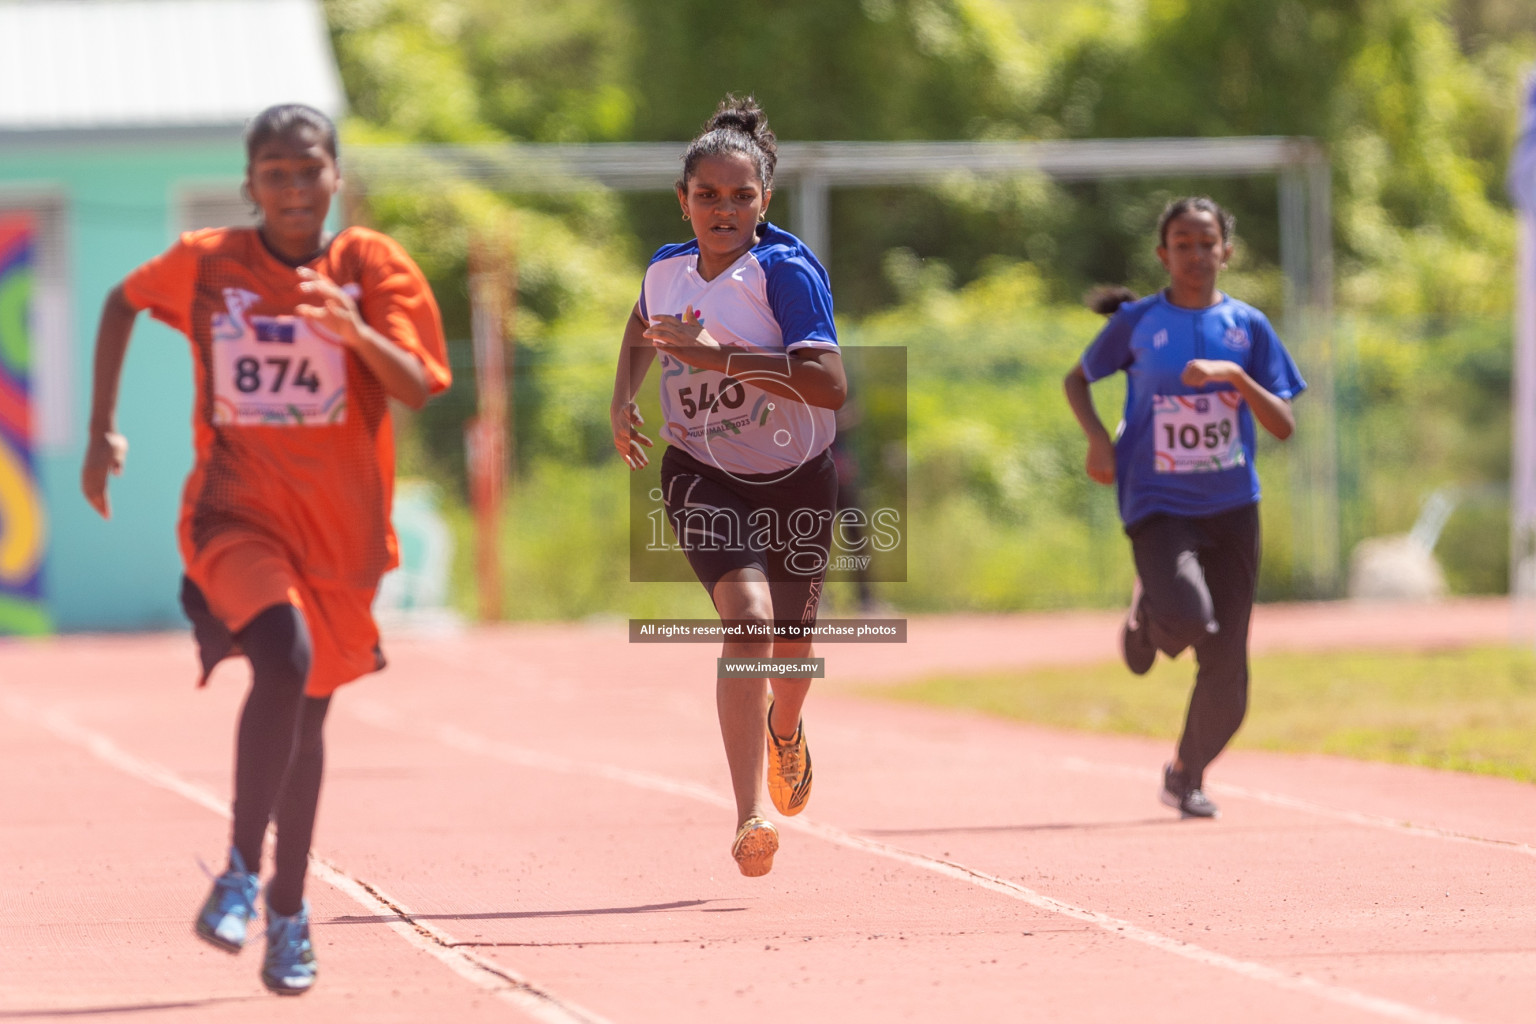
(731, 395)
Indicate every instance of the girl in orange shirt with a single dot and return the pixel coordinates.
(298, 341)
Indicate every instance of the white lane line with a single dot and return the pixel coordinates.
(381, 716)
(502, 982)
(1122, 771)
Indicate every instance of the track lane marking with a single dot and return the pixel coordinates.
(1291, 803)
(502, 982)
(379, 715)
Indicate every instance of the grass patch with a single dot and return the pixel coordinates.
(1471, 710)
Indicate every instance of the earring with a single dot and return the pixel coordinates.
(685, 215)
(762, 218)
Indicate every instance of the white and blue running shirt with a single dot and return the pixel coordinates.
(774, 299)
(1187, 451)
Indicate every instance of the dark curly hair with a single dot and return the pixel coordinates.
(279, 120)
(1107, 298)
(738, 126)
(1225, 222)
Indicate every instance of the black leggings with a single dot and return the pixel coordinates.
(1198, 578)
(279, 752)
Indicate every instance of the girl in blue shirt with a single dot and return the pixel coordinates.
(1201, 368)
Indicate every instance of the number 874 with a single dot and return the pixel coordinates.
(248, 374)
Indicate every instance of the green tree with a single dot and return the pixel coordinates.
(1418, 129)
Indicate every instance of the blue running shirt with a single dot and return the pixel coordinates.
(1181, 450)
(774, 299)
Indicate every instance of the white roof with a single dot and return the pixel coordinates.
(87, 64)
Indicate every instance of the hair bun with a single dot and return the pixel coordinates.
(741, 114)
(738, 125)
(1107, 298)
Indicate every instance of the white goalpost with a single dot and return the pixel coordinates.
(1522, 476)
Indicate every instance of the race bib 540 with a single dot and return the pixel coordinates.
(1197, 433)
(277, 371)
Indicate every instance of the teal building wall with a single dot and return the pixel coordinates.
(119, 199)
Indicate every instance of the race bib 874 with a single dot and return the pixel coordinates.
(277, 371)
(1197, 433)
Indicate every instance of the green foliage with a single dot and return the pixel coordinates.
(552, 571)
(1416, 100)
(1001, 514)
(462, 71)
(876, 69)
(1419, 130)
(469, 70)
(1425, 407)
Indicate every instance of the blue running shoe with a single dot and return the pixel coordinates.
(229, 907)
(290, 968)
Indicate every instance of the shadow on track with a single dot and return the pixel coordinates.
(92, 1011)
(1066, 826)
(512, 915)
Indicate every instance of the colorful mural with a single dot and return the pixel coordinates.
(23, 523)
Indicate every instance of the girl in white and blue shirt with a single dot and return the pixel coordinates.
(741, 316)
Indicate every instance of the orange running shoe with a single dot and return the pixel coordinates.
(789, 770)
(756, 843)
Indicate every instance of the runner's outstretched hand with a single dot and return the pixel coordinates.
(1101, 459)
(105, 455)
(1199, 372)
(335, 316)
(685, 338)
(334, 311)
(626, 421)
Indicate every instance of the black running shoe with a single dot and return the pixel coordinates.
(1190, 802)
(1135, 642)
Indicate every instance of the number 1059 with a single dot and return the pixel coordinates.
(1188, 436)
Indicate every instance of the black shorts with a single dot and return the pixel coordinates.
(779, 525)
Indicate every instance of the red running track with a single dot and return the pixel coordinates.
(533, 823)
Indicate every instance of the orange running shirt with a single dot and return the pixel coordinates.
(292, 433)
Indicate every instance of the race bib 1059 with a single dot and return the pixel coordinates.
(1197, 433)
(277, 371)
